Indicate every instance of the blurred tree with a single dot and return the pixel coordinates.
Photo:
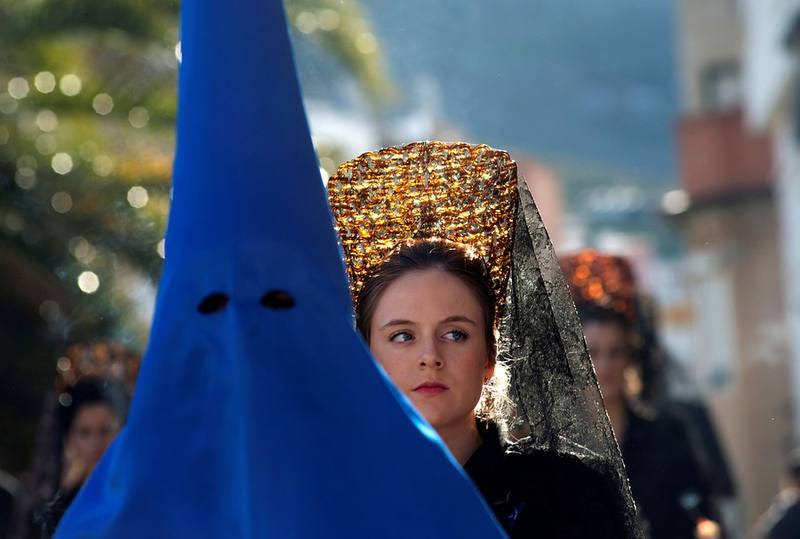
(87, 110)
(341, 29)
(87, 105)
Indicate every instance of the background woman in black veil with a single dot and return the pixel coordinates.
(82, 413)
(671, 486)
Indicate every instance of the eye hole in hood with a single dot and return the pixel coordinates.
(277, 300)
(213, 303)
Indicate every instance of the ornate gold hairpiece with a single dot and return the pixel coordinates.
(601, 280)
(100, 359)
(451, 191)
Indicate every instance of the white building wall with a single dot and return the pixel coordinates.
(712, 293)
(788, 199)
(708, 34)
(768, 66)
(770, 73)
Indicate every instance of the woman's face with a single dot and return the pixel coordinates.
(91, 433)
(428, 333)
(610, 352)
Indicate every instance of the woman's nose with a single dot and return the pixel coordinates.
(430, 357)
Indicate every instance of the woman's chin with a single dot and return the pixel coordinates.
(438, 418)
(433, 416)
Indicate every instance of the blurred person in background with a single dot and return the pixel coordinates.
(782, 519)
(662, 383)
(81, 416)
(9, 486)
(670, 487)
(90, 414)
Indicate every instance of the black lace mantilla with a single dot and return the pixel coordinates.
(553, 386)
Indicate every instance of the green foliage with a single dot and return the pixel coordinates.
(339, 27)
(87, 113)
(68, 160)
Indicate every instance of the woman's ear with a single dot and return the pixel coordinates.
(488, 370)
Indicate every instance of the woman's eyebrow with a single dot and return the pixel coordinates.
(458, 318)
(396, 322)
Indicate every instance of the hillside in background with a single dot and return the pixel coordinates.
(586, 85)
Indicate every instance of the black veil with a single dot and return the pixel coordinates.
(557, 403)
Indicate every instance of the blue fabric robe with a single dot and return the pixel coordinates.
(265, 416)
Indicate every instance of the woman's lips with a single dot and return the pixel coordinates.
(430, 388)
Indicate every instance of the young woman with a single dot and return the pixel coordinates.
(90, 414)
(430, 260)
(82, 413)
(668, 484)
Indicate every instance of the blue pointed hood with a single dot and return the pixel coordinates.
(245, 167)
(258, 411)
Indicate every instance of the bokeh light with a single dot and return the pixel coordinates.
(62, 163)
(138, 197)
(8, 105)
(102, 165)
(88, 282)
(63, 364)
(25, 178)
(366, 43)
(675, 202)
(46, 144)
(328, 20)
(13, 222)
(45, 82)
(27, 161)
(46, 120)
(49, 310)
(138, 117)
(26, 125)
(70, 85)
(18, 88)
(306, 22)
(102, 104)
(61, 202)
(82, 250)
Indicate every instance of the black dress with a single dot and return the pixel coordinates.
(545, 494)
(667, 483)
(48, 516)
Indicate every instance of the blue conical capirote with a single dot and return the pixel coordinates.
(258, 411)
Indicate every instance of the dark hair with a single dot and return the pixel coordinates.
(429, 254)
(640, 343)
(87, 392)
(494, 405)
(793, 465)
(591, 312)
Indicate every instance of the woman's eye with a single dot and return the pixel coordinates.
(401, 336)
(455, 335)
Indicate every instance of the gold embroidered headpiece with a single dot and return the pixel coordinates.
(100, 359)
(603, 280)
(450, 191)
